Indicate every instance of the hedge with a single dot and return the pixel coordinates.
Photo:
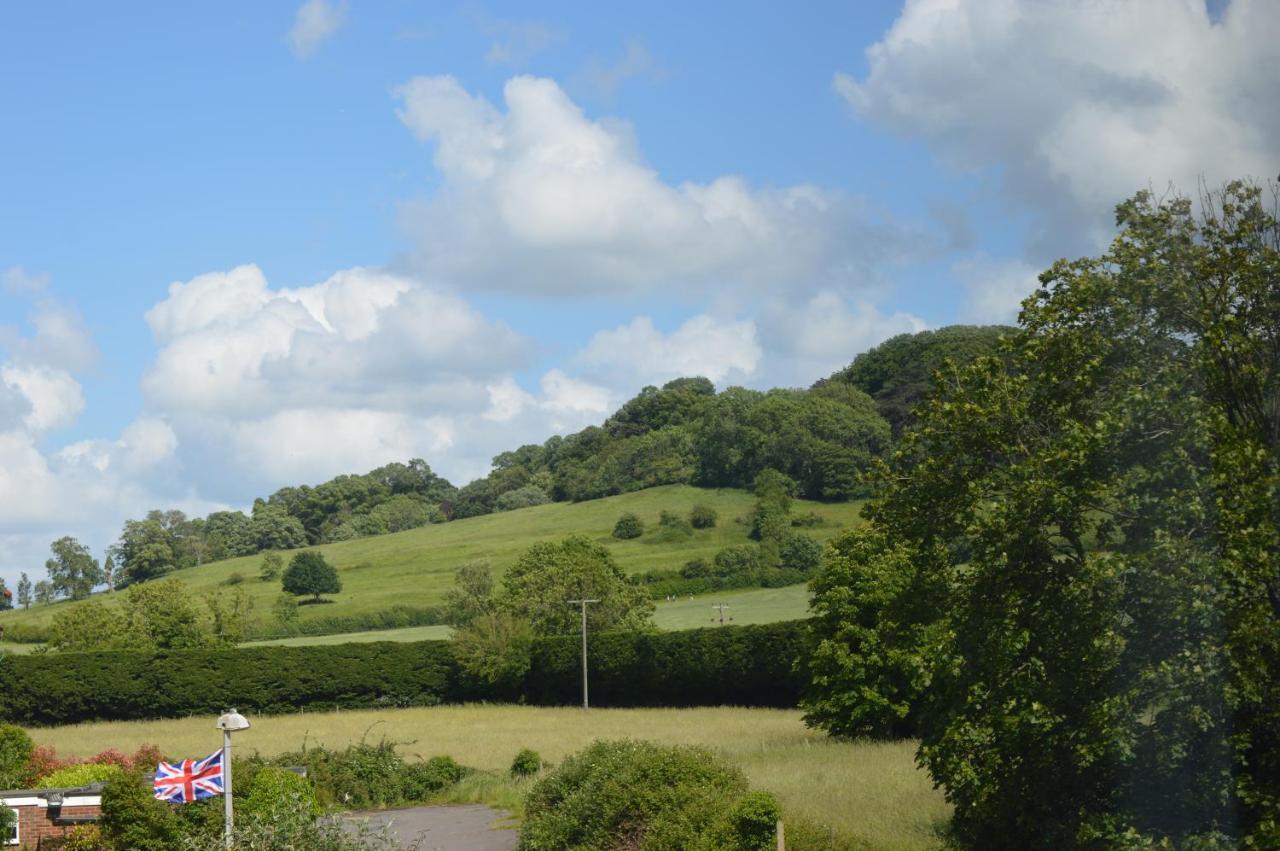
(736, 665)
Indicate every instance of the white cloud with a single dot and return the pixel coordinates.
(995, 288)
(636, 62)
(811, 339)
(507, 400)
(637, 353)
(1075, 106)
(315, 22)
(516, 42)
(542, 199)
(54, 398)
(19, 281)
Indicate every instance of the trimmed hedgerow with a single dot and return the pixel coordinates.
(736, 665)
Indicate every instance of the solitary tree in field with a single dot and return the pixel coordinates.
(309, 573)
(24, 591)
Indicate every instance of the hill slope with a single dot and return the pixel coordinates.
(414, 568)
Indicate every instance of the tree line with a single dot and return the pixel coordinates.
(824, 438)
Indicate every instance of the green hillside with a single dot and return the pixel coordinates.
(414, 568)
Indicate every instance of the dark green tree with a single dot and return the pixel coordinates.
(310, 573)
(1093, 519)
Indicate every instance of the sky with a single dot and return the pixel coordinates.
(246, 245)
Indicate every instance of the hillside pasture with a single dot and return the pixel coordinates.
(415, 568)
(870, 793)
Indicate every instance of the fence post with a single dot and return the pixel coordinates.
(782, 840)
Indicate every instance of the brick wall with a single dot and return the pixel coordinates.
(35, 823)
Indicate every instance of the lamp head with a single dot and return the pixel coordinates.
(232, 721)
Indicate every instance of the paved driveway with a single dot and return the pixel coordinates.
(466, 828)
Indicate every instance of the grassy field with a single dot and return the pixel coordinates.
(414, 568)
(871, 792)
(760, 605)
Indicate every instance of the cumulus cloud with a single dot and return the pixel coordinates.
(315, 22)
(995, 288)
(636, 62)
(19, 281)
(540, 198)
(723, 350)
(1075, 106)
(811, 339)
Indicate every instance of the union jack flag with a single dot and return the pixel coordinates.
(189, 780)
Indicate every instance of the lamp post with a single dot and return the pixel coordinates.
(228, 723)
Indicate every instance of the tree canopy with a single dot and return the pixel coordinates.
(310, 573)
(1071, 586)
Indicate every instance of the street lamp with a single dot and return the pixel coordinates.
(228, 723)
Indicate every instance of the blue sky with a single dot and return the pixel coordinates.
(444, 230)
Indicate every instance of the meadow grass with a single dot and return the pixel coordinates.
(414, 568)
(757, 605)
(868, 792)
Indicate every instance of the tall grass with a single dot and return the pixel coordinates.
(867, 792)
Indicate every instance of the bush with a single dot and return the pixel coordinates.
(235, 578)
(526, 764)
(421, 780)
(132, 818)
(15, 750)
(79, 775)
(810, 519)
(524, 497)
(703, 517)
(628, 526)
(696, 569)
(634, 795)
(272, 566)
(799, 552)
(271, 785)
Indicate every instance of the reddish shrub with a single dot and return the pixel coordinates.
(44, 760)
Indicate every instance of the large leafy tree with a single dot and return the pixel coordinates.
(1093, 521)
(546, 576)
(73, 571)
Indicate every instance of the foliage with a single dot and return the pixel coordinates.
(84, 837)
(628, 526)
(751, 825)
(735, 665)
(671, 527)
(546, 576)
(285, 610)
(310, 573)
(234, 578)
(15, 751)
(471, 595)
(161, 615)
(526, 763)
(91, 626)
(421, 780)
(703, 517)
(8, 818)
(524, 497)
(494, 650)
(271, 786)
(272, 567)
(874, 606)
(81, 774)
(643, 796)
(366, 775)
(1095, 512)
(73, 572)
(24, 591)
(899, 373)
(132, 818)
(230, 616)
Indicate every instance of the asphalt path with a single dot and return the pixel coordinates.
(463, 828)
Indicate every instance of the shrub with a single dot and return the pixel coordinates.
(83, 837)
(628, 526)
(271, 786)
(235, 578)
(15, 751)
(132, 818)
(79, 775)
(524, 497)
(272, 566)
(420, 780)
(703, 517)
(751, 825)
(799, 552)
(8, 818)
(629, 794)
(493, 650)
(809, 519)
(696, 569)
(526, 764)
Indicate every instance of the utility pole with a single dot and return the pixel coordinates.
(583, 603)
(721, 607)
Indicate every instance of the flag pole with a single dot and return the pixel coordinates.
(228, 723)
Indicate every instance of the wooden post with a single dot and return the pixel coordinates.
(721, 607)
(782, 839)
(583, 603)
